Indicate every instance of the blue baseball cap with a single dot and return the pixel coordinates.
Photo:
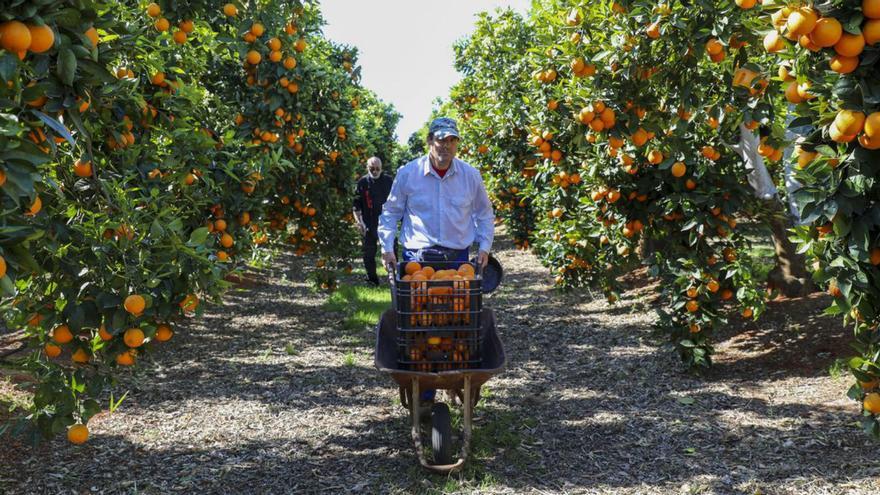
(443, 127)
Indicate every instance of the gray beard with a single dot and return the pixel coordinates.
(375, 176)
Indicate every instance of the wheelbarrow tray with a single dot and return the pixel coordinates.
(494, 359)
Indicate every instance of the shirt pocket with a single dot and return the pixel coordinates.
(419, 204)
(458, 210)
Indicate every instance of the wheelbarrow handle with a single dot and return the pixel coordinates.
(392, 282)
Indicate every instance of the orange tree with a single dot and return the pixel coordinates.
(629, 133)
(146, 153)
(491, 102)
(828, 64)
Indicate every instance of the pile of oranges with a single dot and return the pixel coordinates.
(439, 297)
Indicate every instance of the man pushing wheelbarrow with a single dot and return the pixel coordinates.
(438, 335)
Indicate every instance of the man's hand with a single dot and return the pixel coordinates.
(390, 261)
(483, 259)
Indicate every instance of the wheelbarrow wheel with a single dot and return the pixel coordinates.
(441, 434)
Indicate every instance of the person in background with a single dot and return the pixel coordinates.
(371, 193)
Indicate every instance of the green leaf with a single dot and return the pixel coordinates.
(56, 126)
(66, 66)
(7, 285)
(198, 237)
(156, 229)
(8, 64)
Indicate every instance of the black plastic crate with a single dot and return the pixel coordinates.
(439, 319)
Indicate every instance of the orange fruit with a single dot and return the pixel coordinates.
(714, 47)
(849, 121)
(226, 240)
(791, 93)
(827, 32)
(871, 31)
(125, 358)
(35, 207)
(189, 303)
(745, 4)
(154, 10)
(42, 38)
(838, 136)
(133, 337)
(164, 333)
(230, 10)
(875, 256)
(289, 63)
(412, 267)
(802, 21)
(14, 36)
(78, 434)
(773, 42)
(162, 24)
(850, 45)
(747, 313)
(871, 9)
(104, 334)
(186, 26)
(692, 306)
(844, 65)
(82, 169)
(872, 403)
(274, 44)
(80, 356)
(92, 34)
(179, 37)
(300, 45)
(872, 125)
(254, 57)
(52, 350)
(2, 267)
(678, 169)
(62, 334)
(135, 304)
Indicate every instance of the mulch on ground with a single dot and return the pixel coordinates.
(258, 397)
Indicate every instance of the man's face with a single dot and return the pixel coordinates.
(374, 170)
(444, 149)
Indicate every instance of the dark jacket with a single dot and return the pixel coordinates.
(370, 195)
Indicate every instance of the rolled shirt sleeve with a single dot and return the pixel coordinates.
(484, 218)
(392, 213)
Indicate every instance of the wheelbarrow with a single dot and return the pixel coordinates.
(461, 379)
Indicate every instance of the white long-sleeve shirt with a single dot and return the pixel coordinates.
(453, 211)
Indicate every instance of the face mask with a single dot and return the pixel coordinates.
(375, 173)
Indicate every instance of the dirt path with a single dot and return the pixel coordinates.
(265, 394)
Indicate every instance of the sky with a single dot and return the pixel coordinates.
(405, 47)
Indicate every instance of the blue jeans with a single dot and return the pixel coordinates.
(434, 253)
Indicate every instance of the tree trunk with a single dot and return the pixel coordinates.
(790, 276)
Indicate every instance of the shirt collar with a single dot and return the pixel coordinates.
(428, 169)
